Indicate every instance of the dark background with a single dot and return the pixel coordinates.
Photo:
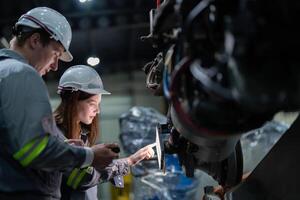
(108, 29)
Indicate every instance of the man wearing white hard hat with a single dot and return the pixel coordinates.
(33, 152)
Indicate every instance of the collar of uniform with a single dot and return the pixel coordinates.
(8, 53)
(84, 135)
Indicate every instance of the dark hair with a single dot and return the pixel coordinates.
(65, 116)
(22, 33)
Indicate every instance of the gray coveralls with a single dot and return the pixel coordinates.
(32, 151)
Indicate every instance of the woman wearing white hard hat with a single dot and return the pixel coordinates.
(81, 89)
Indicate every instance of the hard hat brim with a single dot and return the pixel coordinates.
(95, 91)
(66, 56)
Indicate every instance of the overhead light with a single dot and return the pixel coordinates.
(84, 1)
(93, 61)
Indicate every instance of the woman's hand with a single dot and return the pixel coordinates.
(76, 142)
(144, 153)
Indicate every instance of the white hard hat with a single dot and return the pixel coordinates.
(52, 22)
(82, 78)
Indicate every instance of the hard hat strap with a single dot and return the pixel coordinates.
(38, 22)
(72, 89)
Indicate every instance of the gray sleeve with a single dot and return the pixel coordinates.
(30, 135)
(81, 179)
(24, 106)
(59, 155)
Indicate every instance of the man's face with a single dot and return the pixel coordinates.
(47, 57)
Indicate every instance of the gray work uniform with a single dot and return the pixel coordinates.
(32, 152)
(87, 186)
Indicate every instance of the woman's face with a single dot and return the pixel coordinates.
(88, 109)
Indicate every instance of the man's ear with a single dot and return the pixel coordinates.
(35, 41)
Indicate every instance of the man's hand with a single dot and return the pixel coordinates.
(144, 153)
(103, 155)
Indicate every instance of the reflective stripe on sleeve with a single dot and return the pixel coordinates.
(72, 176)
(76, 177)
(79, 178)
(31, 150)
